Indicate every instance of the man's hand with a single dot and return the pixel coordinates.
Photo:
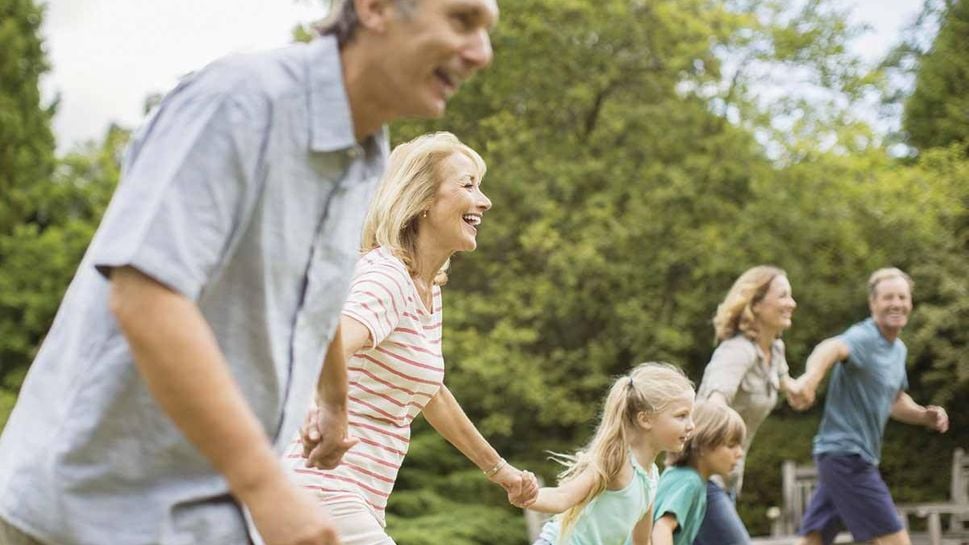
(324, 437)
(521, 486)
(285, 515)
(936, 418)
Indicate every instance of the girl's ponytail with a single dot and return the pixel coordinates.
(648, 388)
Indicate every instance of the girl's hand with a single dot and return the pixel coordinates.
(521, 490)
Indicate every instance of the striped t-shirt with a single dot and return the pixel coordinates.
(389, 383)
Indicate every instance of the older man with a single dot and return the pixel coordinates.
(866, 388)
(189, 342)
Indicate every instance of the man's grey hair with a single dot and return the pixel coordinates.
(342, 23)
(884, 274)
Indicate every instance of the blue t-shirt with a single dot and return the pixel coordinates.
(683, 494)
(861, 393)
(610, 517)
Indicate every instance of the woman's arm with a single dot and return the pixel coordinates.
(556, 499)
(643, 529)
(446, 416)
(663, 530)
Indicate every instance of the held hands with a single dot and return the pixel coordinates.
(521, 486)
(936, 418)
(800, 394)
(324, 437)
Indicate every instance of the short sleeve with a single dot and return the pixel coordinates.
(680, 497)
(186, 191)
(854, 338)
(376, 299)
(728, 365)
(780, 359)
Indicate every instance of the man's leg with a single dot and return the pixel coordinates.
(900, 537)
(862, 500)
(811, 538)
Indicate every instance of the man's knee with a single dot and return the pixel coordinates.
(811, 538)
(898, 538)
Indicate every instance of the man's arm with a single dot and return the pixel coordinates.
(821, 360)
(324, 432)
(179, 359)
(906, 410)
(447, 417)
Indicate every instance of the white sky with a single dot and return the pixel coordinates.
(108, 55)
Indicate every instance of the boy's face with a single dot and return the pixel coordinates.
(723, 459)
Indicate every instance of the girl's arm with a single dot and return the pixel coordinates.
(643, 529)
(663, 530)
(556, 499)
(446, 416)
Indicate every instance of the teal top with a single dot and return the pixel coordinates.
(861, 393)
(683, 494)
(610, 517)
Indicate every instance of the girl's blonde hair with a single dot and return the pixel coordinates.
(649, 388)
(407, 189)
(715, 424)
(735, 314)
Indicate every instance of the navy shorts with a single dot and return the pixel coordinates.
(851, 494)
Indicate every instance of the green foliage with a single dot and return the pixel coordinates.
(38, 256)
(26, 141)
(937, 113)
(633, 180)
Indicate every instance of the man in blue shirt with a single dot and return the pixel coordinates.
(866, 388)
(188, 345)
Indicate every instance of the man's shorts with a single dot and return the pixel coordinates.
(851, 494)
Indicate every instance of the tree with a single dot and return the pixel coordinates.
(26, 141)
(937, 112)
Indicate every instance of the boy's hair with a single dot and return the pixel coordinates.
(715, 424)
(649, 388)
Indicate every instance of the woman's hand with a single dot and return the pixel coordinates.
(324, 437)
(521, 486)
(800, 396)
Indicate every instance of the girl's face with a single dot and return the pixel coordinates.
(722, 460)
(671, 427)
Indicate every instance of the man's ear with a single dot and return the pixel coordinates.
(374, 15)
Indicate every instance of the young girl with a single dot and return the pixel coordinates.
(714, 449)
(605, 494)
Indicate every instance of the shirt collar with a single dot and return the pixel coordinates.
(331, 123)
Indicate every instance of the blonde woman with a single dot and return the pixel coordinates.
(428, 206)
(606, 493)
(746, 372)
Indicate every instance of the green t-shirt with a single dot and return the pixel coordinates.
(683, 494)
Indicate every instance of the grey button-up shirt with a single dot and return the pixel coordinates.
(739, 371)
(246, 193)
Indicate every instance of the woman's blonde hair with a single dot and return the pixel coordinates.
(715, 424)
(649, 388)
(735, 314)
(406, 190)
